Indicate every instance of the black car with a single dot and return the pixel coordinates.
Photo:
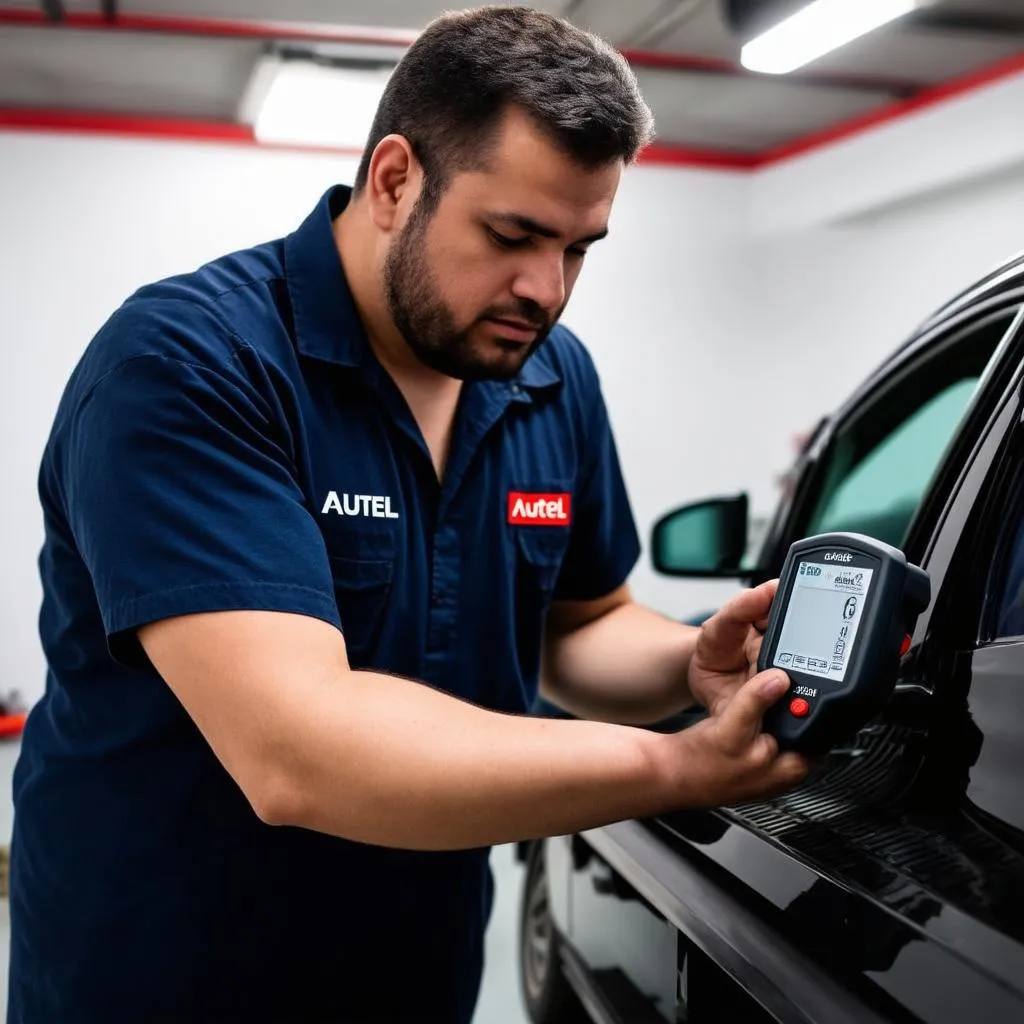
(890, 885)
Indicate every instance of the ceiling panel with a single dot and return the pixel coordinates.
(708, 135)
(196, 76)
(69, 5)
(898, 49)
(392, 14)
(735, 111)
(116, 72)
(982, 6)
(699, 28)
(617, 21)
(929, 55)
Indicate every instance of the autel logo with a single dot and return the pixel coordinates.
(539, 509)
(371, 505)
(838, 556)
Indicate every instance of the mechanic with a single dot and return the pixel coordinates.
(315, 514)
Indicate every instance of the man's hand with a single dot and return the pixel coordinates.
(728, 759)
(727, 647)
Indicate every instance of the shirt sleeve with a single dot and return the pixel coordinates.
(604, 544)
(181, 496)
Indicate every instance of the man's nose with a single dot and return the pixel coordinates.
(542, 281)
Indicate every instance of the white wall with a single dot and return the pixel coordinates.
(661, 303)
(966, 137)
(860, 240)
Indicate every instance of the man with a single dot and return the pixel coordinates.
(315, 514)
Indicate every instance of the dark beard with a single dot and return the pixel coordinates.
(427, 324)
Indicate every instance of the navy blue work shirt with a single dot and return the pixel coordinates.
(229, 441)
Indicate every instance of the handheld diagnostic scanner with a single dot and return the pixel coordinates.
(840, 622)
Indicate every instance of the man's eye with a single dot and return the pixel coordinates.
(505, 242)
(578, 253)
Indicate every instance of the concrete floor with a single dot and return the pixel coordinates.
(500, 1001)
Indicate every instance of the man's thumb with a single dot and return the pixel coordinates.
(773, 683)
(743, 714)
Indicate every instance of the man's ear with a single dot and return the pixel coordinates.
(393, 182)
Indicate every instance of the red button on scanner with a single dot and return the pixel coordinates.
(799, 707)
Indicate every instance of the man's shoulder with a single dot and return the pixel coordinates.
(224, 290)
(199, 317)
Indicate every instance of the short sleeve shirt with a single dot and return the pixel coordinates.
(229, 441)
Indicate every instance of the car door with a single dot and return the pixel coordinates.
(628, 947)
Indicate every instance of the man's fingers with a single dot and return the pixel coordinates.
(783, 775)
(768, 747)
(769, 590)
(754, 644)
(793, 768)
(727, 629)
(789, 770)
(741, 718)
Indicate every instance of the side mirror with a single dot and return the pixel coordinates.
(708, 539)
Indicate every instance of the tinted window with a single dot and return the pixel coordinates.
(881, 493)
(881, 462)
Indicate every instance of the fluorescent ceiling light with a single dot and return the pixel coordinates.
(299, 102)
(816, 29)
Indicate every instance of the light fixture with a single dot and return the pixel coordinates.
(294, 101)
(817, 29)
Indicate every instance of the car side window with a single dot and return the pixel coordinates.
(881, 462)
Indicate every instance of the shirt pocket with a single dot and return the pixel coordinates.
(540, 553)
(540, 518)
(362, 579)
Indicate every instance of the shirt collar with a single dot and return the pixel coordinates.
(327, 324)
(539, 372)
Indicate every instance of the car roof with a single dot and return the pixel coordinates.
(1008, 276)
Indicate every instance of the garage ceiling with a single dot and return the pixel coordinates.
(189, 62)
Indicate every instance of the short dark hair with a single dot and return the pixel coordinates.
(449, 91)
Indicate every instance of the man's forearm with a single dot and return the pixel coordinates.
(384, 760)
(393, 762)
(628, 666)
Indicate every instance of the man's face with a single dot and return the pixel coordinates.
(475, 286)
